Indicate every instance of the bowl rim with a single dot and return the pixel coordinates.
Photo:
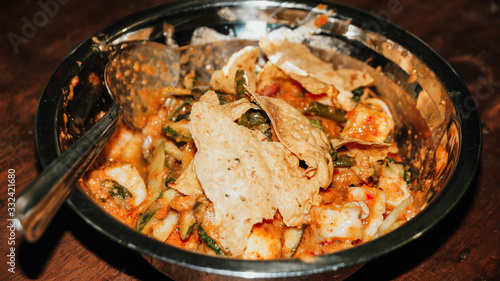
(47, 144)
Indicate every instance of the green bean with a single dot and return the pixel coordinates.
(326, 111)
(241, 80)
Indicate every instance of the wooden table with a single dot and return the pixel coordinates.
(465, 246)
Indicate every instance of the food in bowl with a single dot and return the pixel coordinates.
(277, 154)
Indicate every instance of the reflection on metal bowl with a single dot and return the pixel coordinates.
(427, 98)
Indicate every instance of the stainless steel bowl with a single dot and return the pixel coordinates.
(431, 104)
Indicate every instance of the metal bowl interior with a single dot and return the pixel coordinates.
(430, 102)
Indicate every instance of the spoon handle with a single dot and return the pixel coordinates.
(39, 202)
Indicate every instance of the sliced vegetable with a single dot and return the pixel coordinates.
(156, 172)
(392, 169)
(326, 111)
(430, 195)
(211, 243)
(186, 222)
(169, 195)
(179, 131)
(146, 219)
(174, 115)
(172, 150)
(183, 116)
(390, 221)
(291, 241)
(163, 228)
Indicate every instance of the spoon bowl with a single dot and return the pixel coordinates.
(134, 77)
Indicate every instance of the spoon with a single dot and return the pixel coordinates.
(134, 76)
